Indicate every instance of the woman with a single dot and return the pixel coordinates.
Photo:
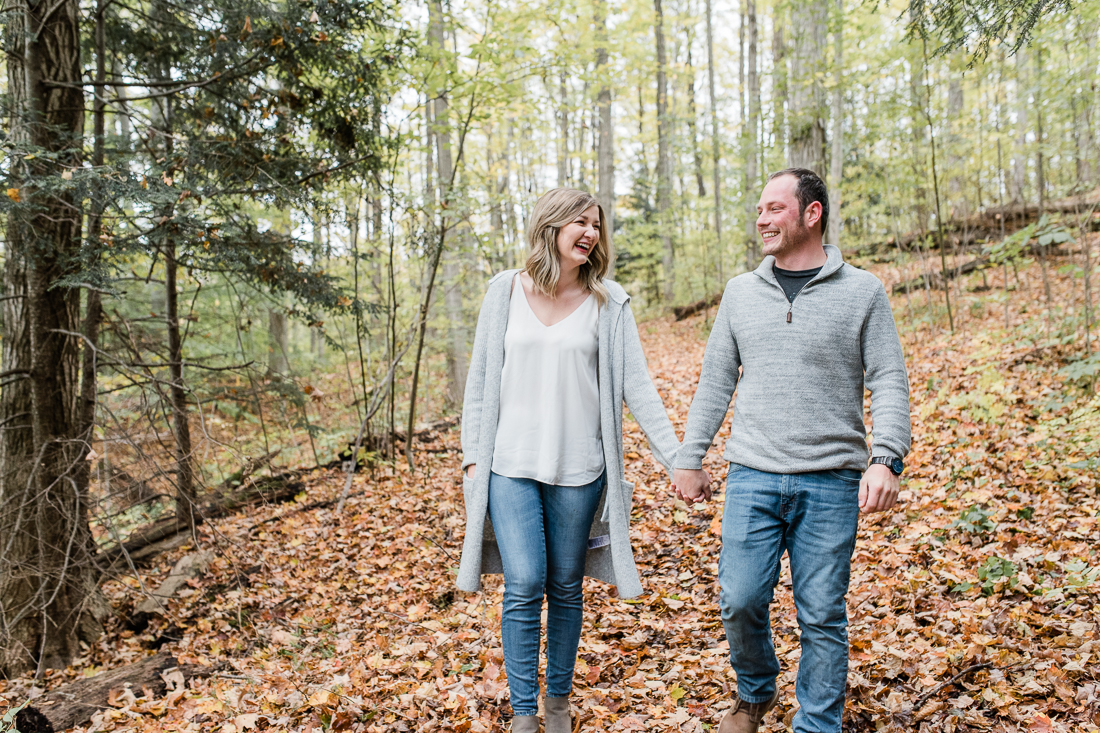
(555, 354)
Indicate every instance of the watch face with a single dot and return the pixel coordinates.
(897, 466)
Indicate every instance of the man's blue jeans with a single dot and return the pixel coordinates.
(542, 533)
(813, 517)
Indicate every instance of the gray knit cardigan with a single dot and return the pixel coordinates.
(622, 376)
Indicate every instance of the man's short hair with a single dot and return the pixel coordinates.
(810, 188)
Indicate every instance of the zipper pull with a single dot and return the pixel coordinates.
(789, 312)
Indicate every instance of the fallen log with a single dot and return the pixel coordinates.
(935, 277)
(187, 567)
(685, 311)
(986, 225)
(936, 280)
(146, 542)
(75, 703)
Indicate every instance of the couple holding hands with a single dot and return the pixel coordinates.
(555, 355)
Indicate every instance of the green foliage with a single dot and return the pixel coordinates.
(994, 570)
(7, 723)
(979, 25)
(975, 520)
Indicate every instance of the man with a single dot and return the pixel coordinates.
(807, 332)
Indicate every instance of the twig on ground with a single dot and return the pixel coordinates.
(943, 685)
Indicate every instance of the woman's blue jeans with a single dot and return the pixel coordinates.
(542, 533)
(813, 517)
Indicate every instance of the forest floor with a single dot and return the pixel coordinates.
(972, 604)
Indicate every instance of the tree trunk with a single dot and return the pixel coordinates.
(780, 80)
(47, 583)
(1040, 182)
(605, 154)
(664, 172)
(807, 134)
(697, 158)
(1019, 156)
(916, 114)
(715, 145)
(452, 275)
(836, 161)
(277, 362)
(185, 481)
(563, 131)
(94, 308)
(752, 249)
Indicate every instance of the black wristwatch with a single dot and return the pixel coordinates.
(895, 465)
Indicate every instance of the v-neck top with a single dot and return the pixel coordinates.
(548, 427)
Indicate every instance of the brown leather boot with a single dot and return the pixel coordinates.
(745, 717)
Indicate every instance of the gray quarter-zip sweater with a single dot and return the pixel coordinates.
(800, 369)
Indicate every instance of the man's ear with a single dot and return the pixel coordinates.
(812, 215)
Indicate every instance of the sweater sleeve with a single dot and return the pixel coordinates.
(885, 376)
(717, 382)
(475, 387)
(642, 398)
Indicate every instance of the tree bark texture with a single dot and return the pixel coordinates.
(605, 153)
(452, 269)
(1019, 155)
(809, 21)
(46, 577)
(277, 362)
(752, 79)
(664, 166)
(185, 478)
(836, 158)
(715, 144)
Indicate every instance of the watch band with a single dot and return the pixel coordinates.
(895, 465)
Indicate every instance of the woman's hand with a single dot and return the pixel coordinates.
(470, 470)
(693, 486)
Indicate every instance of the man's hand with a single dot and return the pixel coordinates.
(470, 470)
(691, 485)
(878, 489)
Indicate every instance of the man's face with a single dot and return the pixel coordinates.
(781, 227)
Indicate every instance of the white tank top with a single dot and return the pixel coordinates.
(548, 428)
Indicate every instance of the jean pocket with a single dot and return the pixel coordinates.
(849, 475)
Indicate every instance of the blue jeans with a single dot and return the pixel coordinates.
(542, 533)
(813, 517)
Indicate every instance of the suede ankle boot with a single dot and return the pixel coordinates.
(557, 715)
(745, 717)
(525, 724)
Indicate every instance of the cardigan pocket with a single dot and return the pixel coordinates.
(628, 488)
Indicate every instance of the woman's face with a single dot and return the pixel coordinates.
(577, 238)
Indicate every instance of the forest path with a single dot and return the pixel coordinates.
(352, 622)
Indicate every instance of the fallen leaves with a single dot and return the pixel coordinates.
(972, 604)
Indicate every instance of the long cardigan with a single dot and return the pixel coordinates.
(622, 376)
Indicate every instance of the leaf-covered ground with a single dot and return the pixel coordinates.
(971, 605)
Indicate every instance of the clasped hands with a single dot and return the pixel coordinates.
(691, 485)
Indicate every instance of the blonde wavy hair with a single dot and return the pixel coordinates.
(554, 209)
